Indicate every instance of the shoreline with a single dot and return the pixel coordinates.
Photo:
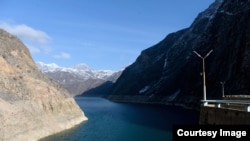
(144, 100)
(75, 126)
(155, 103)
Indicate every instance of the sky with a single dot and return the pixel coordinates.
(104, 34)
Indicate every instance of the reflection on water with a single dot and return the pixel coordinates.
(110, 121)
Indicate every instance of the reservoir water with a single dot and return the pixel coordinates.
(111, 121)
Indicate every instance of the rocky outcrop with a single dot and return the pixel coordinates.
(32, 106)
(169, 72)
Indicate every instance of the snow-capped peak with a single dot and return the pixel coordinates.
(81, 70)
(47, 67)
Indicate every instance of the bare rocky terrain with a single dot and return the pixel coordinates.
(32, 105)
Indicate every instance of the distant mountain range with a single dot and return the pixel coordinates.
(79, 78)
(169, 72)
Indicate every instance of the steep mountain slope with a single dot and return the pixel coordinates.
(169, 72)
(32, 105)
(78, 79)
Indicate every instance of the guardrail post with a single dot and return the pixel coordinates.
(248, 108)
(218, 105)
(204, 103)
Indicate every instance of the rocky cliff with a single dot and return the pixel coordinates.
(169, 72)
(32, 105)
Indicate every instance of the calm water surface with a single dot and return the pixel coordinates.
(110, 121)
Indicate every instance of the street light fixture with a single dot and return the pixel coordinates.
(203, 74)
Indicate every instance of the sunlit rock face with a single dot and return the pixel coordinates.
(169, 72)
(32, 105)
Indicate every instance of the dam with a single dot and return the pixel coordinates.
(232, 110)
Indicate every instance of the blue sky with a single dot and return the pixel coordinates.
(104, 34)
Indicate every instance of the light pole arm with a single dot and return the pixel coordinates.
(208, 54)
(197, 54)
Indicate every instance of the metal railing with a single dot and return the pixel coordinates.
(228, 103)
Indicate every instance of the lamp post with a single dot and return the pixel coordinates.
(222, 86)
(203, 73)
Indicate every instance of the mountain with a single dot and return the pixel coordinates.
(169, 72)
(32, 105)
(78, 79)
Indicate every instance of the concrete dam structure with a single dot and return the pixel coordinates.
(232, 110)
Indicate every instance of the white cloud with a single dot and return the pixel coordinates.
(25, 32)
(36, 40)
(62, 55)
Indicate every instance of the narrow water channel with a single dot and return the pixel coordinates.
(111, 121)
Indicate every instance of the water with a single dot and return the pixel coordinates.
(110, 121)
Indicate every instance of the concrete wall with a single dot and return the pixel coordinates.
(223, 116)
